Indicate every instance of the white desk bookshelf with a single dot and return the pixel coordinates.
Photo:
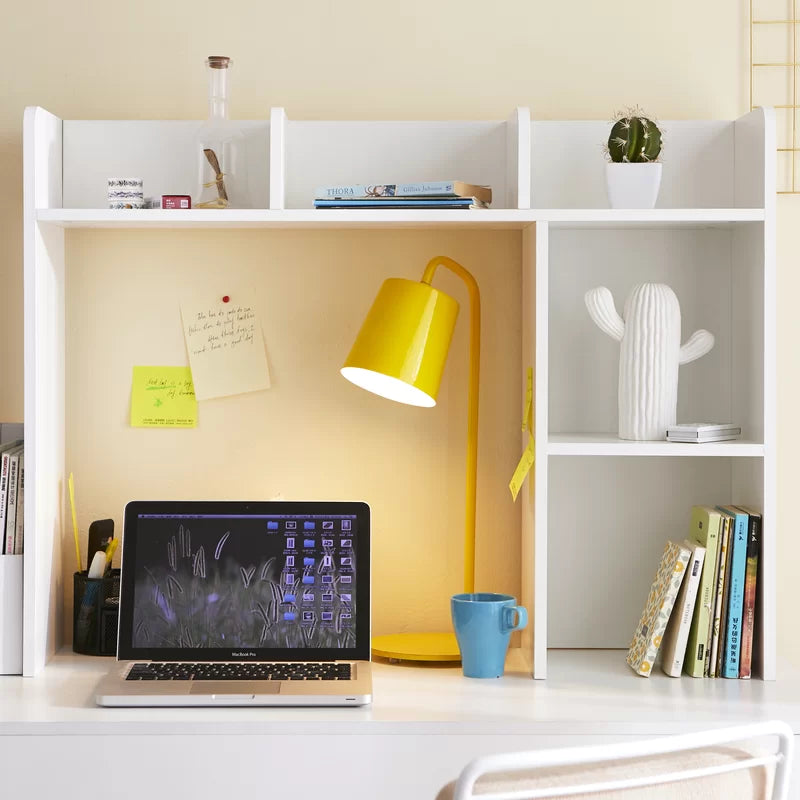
(712, 238)
(425, 723)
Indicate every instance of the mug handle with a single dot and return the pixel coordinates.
(508, 618)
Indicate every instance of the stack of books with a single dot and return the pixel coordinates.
(700, 611)
(12, 497)
(426, 194)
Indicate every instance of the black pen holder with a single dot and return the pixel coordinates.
(95, 614)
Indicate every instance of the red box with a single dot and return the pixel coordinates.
(176, 201)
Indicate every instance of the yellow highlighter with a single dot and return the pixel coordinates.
(112, 546)
(75, 522)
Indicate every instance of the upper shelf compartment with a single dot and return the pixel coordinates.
(161, 152)
(341, 153)
(707, 164)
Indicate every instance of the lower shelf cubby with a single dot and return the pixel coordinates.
(608, 521)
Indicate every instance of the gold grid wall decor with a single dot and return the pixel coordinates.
(773, 80)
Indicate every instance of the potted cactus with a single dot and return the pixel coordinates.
(633, 174)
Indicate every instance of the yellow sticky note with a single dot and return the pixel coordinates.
(163, 397)
(527, 416)
(523, 468)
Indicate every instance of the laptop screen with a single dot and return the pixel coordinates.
(245, 581)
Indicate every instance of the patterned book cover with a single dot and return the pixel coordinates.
(750, 576)
(649, 631)
(733, 626)
(704, 530)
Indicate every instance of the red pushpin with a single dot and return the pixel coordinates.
(226, 299)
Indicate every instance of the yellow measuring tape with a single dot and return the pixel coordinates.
(529, 455)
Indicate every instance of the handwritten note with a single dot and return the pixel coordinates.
(225, 344)
(163, 397)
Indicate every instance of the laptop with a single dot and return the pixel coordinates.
(229, 603)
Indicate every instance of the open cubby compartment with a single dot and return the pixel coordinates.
(608, 522)
(707, 164)
(162, 153)
(717, 274)
(322, 153)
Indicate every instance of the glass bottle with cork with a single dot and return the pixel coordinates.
(220, 144)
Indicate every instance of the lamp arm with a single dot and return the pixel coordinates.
(472, 407)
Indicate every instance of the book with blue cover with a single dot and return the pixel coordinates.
(735, 598)
(417, 189)
(402, 202)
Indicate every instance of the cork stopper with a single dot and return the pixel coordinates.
(218, 62)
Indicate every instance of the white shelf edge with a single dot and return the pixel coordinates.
(284, 218)
(609, 445)
(313, 218)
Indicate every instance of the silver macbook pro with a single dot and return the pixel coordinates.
(243, 603)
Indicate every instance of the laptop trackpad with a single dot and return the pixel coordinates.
(222, 688)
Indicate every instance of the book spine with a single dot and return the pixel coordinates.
(713, 600)
(3, 498)
(11, 505)
(20, 533)
(692, 579)
(733, 629)
(385, 190)
(748, 609)
(705, 531)
(719, 595)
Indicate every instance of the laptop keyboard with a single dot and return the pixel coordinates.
(245, 671)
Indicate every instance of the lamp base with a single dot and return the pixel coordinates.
(417, 647)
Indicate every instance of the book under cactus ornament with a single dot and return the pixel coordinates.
(633, 174)
(649, 333)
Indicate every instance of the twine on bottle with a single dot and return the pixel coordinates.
(219, 181)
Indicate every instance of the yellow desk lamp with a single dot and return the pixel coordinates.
(399, 354)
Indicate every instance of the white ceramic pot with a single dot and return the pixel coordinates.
(633, 185)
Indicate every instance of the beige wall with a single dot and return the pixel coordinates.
(419, 59)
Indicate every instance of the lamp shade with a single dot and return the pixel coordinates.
(402, 346)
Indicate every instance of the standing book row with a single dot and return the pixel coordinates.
(12, 497)
(701, 611)
(12, 482)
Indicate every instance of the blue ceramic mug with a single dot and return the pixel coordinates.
(483, 622)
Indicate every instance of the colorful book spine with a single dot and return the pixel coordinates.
(733, 628)
(703, 530)
(719, 596)
(750, 578)
(11, 504)
(20, 534)
(3, 501)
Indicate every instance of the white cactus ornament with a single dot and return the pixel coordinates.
(649, 333)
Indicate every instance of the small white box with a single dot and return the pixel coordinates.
(11, 615)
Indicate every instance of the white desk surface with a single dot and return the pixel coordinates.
(588, 692)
